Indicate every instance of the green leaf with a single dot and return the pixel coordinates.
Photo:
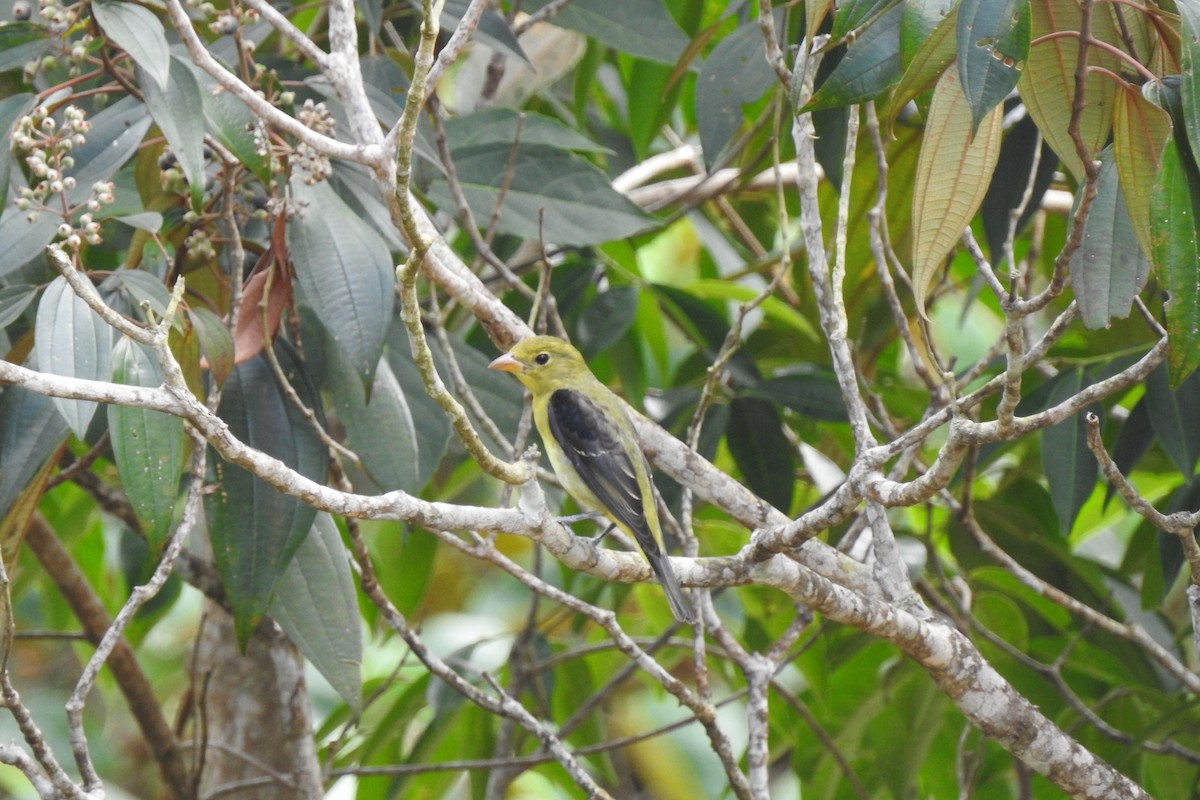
(921, 19)
(1010, 180)
(254, 528)
(14, 300)
(31, 429)
(71, 340)
(774, 309)
(640, 28)
(952, 173)
(345, 272)
(577, 200)
(734, 74)
(606, 319)
(992, 44)
(138, 288)
(12, 108)
(233, 125)
(852, 14)
(492, 30)
(1140, 131)
(1189, 18)
(812, 393)
(1173, 416)
(24, 240)
(148, 221)
(871, 65)
(1133, 440)
(1070, 467)
(148, 446)
(1176, 252)
(178, 109)
(216, 342)
(116, 134)
(317, 607)
(20, 43)
(429, 421)
(1047, 83)
(138, 32)
(507, 125)
(932, 55)
(755, 439)
(1108, 270)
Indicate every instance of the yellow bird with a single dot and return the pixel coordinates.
(593, 447)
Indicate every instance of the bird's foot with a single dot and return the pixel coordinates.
(578, 517)
(595, 540)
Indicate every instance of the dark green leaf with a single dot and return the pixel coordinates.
(1070, 467)
(992, 45)
(1189, 17)
(763, 454)
(232, 124)
(345, 272)
(24, 240)
(216, 343)
(1133, 440)
(1173, 416)
(871, 65)
(852, 14)
(12, 108)
(430, 424)
(31, 429)
(921, 17)
(831, 126)
(734, 74)
(178, 109)
(71, 340)
(813, 393)
(148, 446)
(1173, 209)
(707, 328)
(606, 319)
(138, 288)
(138, 32)
(578, 203)
(148, 221)
(1009, 181)
(254, 528)
(1108, 270)
(115, 136)
(14, 300)
(492, 30)
(641, 28)
(317, 607)
(20, 43)
(506, 125)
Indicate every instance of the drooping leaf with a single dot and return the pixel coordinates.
(1047, 84)
(1133, 440)
(810, 392)
(14, 300)
(272, 278)
(870, 65)
(216, 343)
(951, 180)
(254, 528)
(20, 43)
(577, 201)
(492, 30)
(606, 319)
(24, 240)
(853, 14)
(148, 446)
(1175, 253)
(1010, 181)
(1173, 415)
(921, 19)
(1070, 467)
(233, 125)
(31, 429)
(641, 28)
(933, 54)
(1189, 18)
(71, 340)
(345, 272)
(138, 32)
(734, 74)
(507, 125)
(178, 109)
(317, 608)
(992, 44)
(1109, 269)
(755, 439)
(1140, 131)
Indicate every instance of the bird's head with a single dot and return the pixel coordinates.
(542, 362)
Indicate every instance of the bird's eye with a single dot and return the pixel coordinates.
(542, 358)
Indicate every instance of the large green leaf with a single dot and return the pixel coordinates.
(1176, 252)
(992, 45)
(1189, 18)
(20, 43)
(345, 272)
(952, 174)
(933, 53)
(14, 300)
(148, 446)
(606, 319)
(921, 19)
(1071, 469)
(853, 13)
(576, 201)
(641, 28)
(317, 607)
(139, 33)
(24, 240)
(254, 528)
(734, 74)
(870, 65)
(30, 430)
(1109, 269)
(1047, 84)
(755, 439)
(808, 391)
(233, 125)
(507, 125)
(71, 340)
(1140, 131)
(178, 108)
(1173, 416)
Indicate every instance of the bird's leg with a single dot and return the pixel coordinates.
(579, 517)
(597, 539)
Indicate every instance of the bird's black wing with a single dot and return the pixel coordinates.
(592, 444)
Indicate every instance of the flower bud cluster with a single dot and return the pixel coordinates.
(59, 16)
(47, 145)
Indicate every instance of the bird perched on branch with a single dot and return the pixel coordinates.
(593, 448)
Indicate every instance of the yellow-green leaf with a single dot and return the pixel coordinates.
(1048, 83)
(1140, 131)
(953, 171)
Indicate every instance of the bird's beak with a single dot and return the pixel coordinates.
(506, 363)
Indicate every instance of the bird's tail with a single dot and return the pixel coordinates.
(666, 576)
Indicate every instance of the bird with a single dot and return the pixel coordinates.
(593, 448)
